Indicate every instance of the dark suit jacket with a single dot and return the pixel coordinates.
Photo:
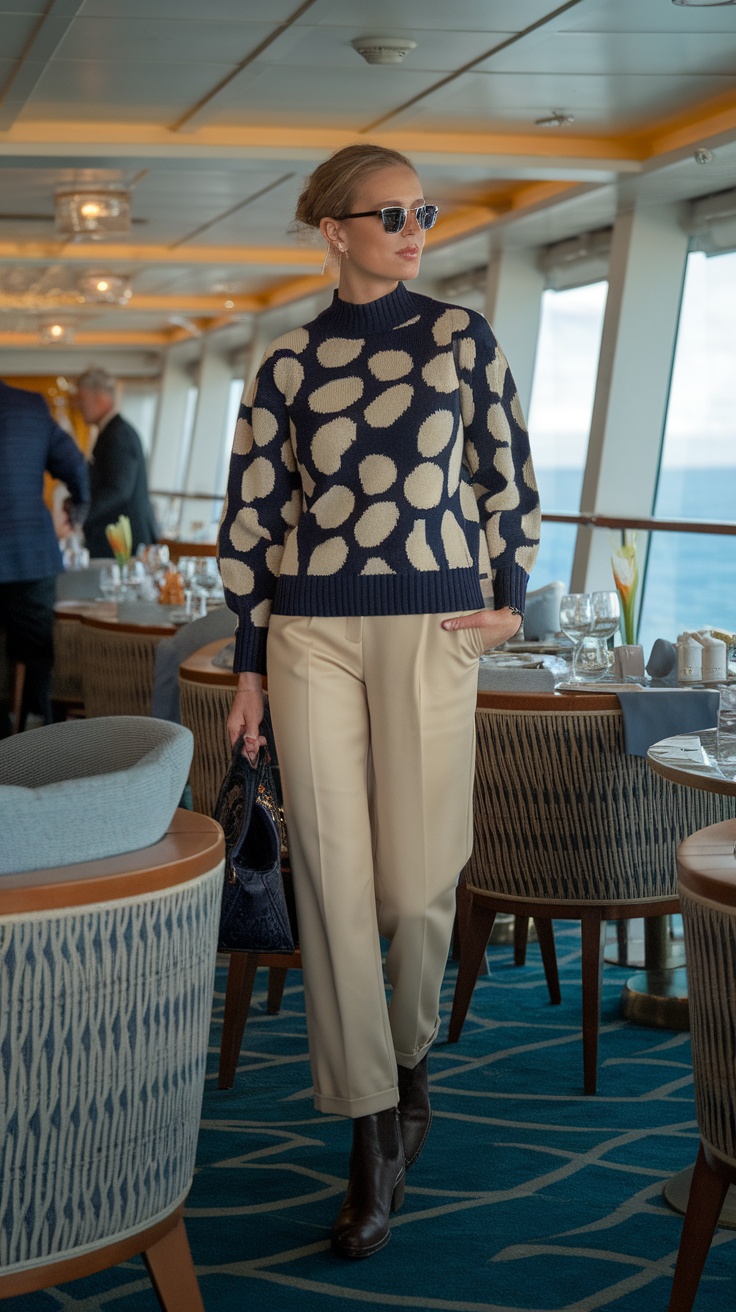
(31, 442)
(118, 486)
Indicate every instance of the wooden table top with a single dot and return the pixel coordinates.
(706, 863)
(710, 774)
(199, 668)
(192, 845)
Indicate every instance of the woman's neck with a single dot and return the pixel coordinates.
(360, 288)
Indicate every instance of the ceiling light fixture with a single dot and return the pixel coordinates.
(57, 334)
(382, 49)
(107, 288)
(96, 214)
(557, 119)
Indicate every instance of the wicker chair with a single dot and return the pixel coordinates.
(206, 697)
(707, 884)
(117, 666)
(109, 964)
(567, 826)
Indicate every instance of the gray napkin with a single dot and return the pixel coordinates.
(170, 653)
(655, 714)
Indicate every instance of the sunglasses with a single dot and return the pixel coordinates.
(393, 217)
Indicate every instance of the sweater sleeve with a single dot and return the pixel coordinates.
(498, 461)
(262, 507)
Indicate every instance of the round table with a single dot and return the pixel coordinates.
(693, 760)
(206, 692)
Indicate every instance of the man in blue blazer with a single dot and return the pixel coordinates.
(117, 471)
(30, 559)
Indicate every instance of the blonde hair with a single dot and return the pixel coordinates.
(330, 189)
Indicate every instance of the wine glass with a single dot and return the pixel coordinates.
(606, 621)
(110, 580)
(576, 622)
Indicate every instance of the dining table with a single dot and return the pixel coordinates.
(706, 761)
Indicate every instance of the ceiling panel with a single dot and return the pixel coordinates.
(315, 48)
(385, 18)
(173, 11)
(140, 91)
(647, 16)
(154, 38)
(16, 30)
(632, 53)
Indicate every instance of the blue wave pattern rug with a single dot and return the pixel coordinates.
(528, 1196)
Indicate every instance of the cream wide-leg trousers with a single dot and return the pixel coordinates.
(374, 726)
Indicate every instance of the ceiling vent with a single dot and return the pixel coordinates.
(94, 213)
(383, 50)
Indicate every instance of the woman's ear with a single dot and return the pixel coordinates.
(331, 232)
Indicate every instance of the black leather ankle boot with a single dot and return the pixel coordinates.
(415, 1113)
(375, 1187)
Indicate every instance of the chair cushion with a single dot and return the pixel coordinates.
(89, 789)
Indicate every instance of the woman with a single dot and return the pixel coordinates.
(375, 443)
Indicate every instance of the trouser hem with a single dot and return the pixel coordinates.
(412, 1059)
(374, 1102)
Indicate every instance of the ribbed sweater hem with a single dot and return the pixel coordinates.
(418, 593)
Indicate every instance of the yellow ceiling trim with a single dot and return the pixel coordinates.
(296, 141)
(119, 253)
(528, 195)
(696, 127)
(50, 301)
(26, 340)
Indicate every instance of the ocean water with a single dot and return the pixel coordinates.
(690, 578)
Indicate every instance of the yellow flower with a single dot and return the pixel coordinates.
(120, 538)
(626, 577)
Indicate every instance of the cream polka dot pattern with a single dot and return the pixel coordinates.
(435, 432)
(496, 372)
(290, 558)
(455, 543)
(376, 523)
(334, 506)
(418, 549)
(243, 440)
(273, 558)
(468, 503)
(531, 524)
(525, 556)
(259, 480)
(377, 565)
(340, 394)
(336, 352)
(265, 426)
(377, 474)
(441, 374)
(496, 544)
(389, 406)
(527, 473)
(296, 341)
(261, 614)
(388, 365)
(291, 509)
(246, 531)
(288, 376)
(517, 411)
(498, 423)
(467, 403)
(472, 458)
(330, 443)
(287, 455)
(423, 486)
(453, 320)
(466, 353)
(328, 557)
(237, 576)
(407, 323)
(306, 479)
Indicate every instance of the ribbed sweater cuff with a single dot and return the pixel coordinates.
(250, 649)
(509, 587)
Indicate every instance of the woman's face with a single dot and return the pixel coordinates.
(370, 251)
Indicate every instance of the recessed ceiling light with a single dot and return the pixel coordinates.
(112, 288)
(382, 49)
(94, 214)
(57, 334)
(557, 119)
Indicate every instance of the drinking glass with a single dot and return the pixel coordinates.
(576, 622)
(595, 658)
(110, 580)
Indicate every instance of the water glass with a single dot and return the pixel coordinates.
(110, 580)
(576, 622)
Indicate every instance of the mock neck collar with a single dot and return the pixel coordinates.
(372, 316)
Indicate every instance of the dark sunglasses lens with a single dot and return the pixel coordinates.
(427, 216)
(394, 219)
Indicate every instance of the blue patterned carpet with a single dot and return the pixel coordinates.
(528, 1197)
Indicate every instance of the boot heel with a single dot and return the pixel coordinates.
(398, 1194)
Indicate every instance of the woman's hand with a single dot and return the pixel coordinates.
(246, 714)
(497, 625)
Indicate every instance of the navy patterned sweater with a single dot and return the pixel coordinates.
(374, 446)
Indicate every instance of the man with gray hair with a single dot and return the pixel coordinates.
(117, 472)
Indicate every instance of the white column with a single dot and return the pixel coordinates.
(647, 269)
(215, 376)
(168, 433)
(513, 306)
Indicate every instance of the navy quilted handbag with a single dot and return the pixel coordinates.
(258, 913)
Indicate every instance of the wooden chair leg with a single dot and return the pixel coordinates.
(19, 683)
(463, 907)
(521, 937)
(707, 1195)
(593, 935)
(475, 934)
(276, 981)
(170, 1266)
(240, 980)
(546, 937)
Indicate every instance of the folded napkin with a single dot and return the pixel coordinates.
(650, 715)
